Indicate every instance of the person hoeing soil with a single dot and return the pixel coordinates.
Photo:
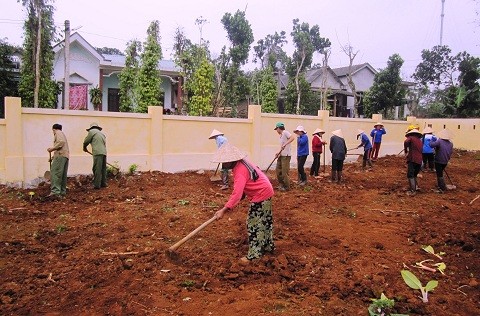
(249, 181)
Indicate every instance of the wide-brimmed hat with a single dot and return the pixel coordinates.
(279, 124)
(228, 153)
(413, 131)
(427, 130)
(360, 131)
(300, 129)
(378, 124)
(94, 125)
(412, 126)
(338, 132)
(214, 134)
(318, 131)
(444, 134)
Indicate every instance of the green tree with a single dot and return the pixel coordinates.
(269, 50)
(128, 77)
(36, 86)
(306, 41)
(8, 85)
(449, 80)
(438, 67)
(108, 50)
(268, 88)
(149, 81)
(232, 84)
(202, 86)
(465, 96)
(387, 91)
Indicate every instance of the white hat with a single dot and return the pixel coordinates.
(427, 130)
(338, 133)
(318, 131)
(214, 134)
(413, 131)
(444, 134)
(360, 131)
(228, 153)
(300, 129)
(378, 124)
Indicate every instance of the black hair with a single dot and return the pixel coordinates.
(57, 126)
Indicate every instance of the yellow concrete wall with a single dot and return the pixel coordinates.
(172, 143)
(466, 131)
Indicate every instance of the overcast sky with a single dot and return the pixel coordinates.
(376, 28)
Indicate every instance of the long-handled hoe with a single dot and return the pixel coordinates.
(171, 251)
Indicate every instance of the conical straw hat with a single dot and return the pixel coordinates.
(214, 134)
(228, 153)
(300, 129)
(444, 134)
(338, 133)
(318, 131)
(413, 131)
(427, 130)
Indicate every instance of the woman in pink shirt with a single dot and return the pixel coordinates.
(249, 181)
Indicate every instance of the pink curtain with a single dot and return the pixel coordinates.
(78, 97)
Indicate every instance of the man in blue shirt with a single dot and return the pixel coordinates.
(302, 154)
(220, 139)
(376, 134)
(367, 148)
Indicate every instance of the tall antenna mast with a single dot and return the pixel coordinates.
(441, 22)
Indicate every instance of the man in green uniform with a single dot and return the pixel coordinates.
(99, 151)
(59, 166)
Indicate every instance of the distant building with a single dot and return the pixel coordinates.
(90, 69)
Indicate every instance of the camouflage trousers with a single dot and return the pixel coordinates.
(260, 229)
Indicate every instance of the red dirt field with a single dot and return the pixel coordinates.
(102, 252)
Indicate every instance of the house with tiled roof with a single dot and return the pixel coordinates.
(90, 69)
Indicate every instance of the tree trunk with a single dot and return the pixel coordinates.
(37, 60)
(297, 84)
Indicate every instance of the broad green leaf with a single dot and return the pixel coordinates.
(411, 280)
(383, 297)
(431, 285)
(441, 267)
(429, 249)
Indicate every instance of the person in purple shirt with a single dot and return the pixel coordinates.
(302, 154)
(376, 134)
(443, 151)
(367, 148)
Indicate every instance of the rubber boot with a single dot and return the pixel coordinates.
(413, 186)
(364, 164)
(339, 176)
(334, 176)
(417, 188)
(224, 176)
(441, 184)
(369, 163)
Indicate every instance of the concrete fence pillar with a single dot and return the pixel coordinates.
(255, 115)
(376, 118)
(14, 161)
(156, 137)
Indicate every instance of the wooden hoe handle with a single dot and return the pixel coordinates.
(193, 233)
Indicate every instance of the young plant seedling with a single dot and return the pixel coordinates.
(382, 307)
(412, 281)
(430, 250)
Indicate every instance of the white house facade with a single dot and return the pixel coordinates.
(89, 69)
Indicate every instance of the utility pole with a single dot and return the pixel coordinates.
(66, 73)
(441, 22)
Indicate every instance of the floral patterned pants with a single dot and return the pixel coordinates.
(260, 229)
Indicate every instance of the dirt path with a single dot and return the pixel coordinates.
(338, 246)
